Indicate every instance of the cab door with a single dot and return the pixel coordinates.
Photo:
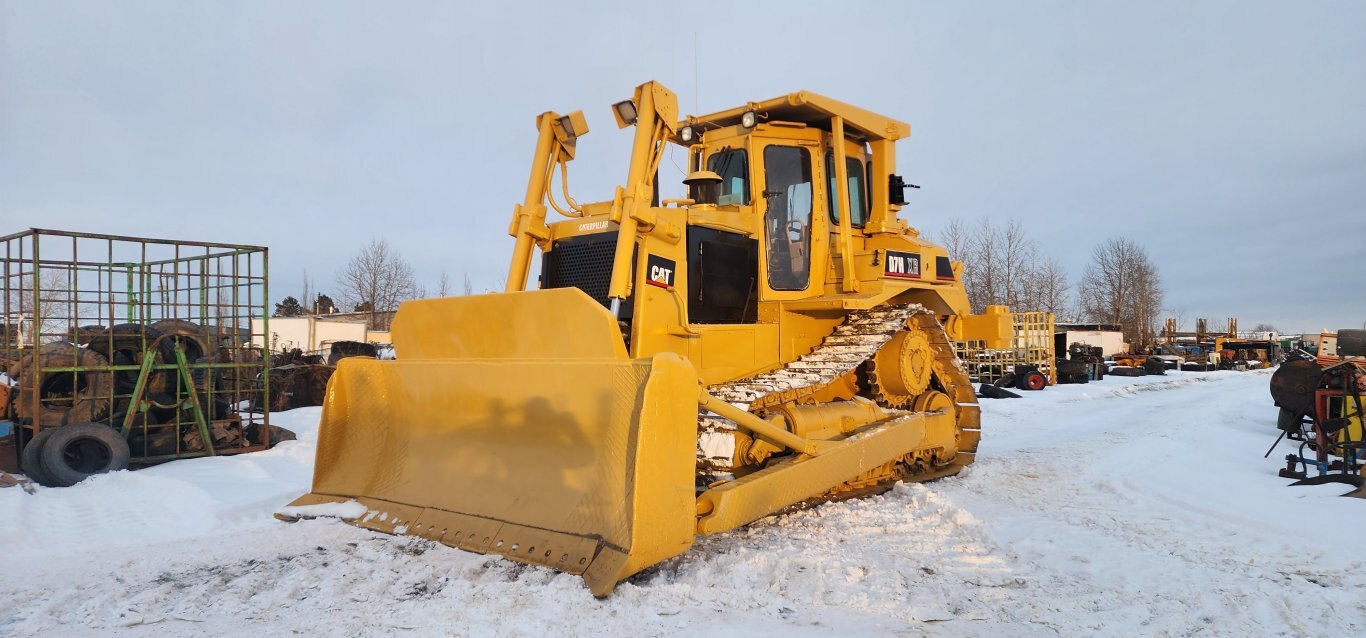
(792, 236)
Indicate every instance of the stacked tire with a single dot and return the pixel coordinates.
(74, 409)
(62, 397)
(1072, 371)
(124, 345)
(195, 340)
(66, 455)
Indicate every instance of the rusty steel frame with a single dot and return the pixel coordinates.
(55, 283)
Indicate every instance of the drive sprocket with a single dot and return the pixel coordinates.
(901, 370)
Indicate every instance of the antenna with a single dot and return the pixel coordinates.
(696, 77)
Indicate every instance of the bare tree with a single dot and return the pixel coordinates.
(1046, 286)
(376, 280)
(443, 287)
(981, 265)
(1121, 286)
(956, 239)
(1018, 257)
(469, 285)
(50, 310)
(1003, 266)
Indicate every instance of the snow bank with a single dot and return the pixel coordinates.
(173, 501)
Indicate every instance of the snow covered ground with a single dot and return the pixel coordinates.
(1126, 507)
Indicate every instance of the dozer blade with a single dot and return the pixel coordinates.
(579, 460)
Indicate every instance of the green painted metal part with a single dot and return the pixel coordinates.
(192, 403)
(196, 407)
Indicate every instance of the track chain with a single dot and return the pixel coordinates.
(845, 350)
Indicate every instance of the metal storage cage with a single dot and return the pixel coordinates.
(151, 337)
(1031, 344)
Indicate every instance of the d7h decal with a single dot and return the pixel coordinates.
(660, 271)
(904, 265)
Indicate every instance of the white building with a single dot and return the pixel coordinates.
(313, 334)
(1109, 338)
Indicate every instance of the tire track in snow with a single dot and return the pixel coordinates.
(905, 562)
(1095, 491)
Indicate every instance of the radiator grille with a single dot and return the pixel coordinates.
(583, 262)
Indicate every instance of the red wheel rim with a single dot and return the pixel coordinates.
(1035, 381)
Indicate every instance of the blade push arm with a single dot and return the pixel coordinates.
(656, 110)
(555, 142)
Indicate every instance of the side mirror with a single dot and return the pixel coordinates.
(896, 190)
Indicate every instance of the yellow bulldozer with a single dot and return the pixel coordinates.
(686, 366)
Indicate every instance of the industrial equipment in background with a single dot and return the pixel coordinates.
(1201, 340)
(1107, 337)
(1247, 353)
(1027, 361)
(1205, 349)
(1082, 349)
(1321, 406)
(687, 366)
(1138, 365)
(1330, 348)
(128, 351)
(1083, 364)
(1220, 348)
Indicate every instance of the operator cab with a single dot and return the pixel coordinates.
(765, 193)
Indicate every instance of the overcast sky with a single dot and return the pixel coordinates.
(1228, 138)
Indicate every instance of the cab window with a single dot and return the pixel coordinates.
(787, 220)
(858, 203)
(733, 167)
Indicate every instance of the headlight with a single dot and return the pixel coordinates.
(749, 119)
(626, 113)
(567, 125)
(686, 134)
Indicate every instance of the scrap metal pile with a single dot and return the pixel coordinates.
(299, 380)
